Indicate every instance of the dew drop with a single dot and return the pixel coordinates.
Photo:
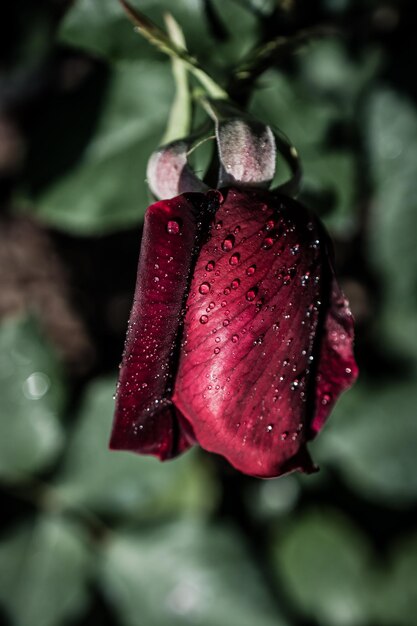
(204, 288)
(295, 249)
(173, 227)
(348, 370)
(226, 291)
(226, 322)
(234, 259)
(237, 230)
(284, 435)
(223, 303)
(269, 428)
(251, 270)
(268, 243)
(203, 319)
(235, 283)
(235, 338)
(269, 225)
(228, 243)
(219, 224)
(216, 350)
(294, 385)
(210, 266)
(251, 294)
(275, 326)
(325, 399)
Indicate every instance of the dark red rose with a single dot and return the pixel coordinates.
(239, 339)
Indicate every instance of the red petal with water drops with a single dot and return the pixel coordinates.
(145, 419)
(252, 333)
(337, 369)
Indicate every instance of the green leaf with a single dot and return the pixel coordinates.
(43, 571)
(333, 172)
(391, 135)
(31, 400)
(396, 598)
(371, 439)
(288, 105)
(241, 28)
(185, 573)
(106, 189)
(104, 28)
(283, 102)
(121, 483)
(329, 71)
(323, 563)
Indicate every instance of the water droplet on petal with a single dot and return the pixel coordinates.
(228, 243)
(268, 243)
(210, 266)
(235, 283)
(284, 435)
(173, 227)
(269, 225)
(235, 338)
(295, 249)
(216, 350)
(269, 428)
(234, 259)
(204, 288)
(203, 319)
(251, 270)
(325, 399)
(251, 294)
(294, 385)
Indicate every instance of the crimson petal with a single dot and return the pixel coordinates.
(255, 313)
(145, 419)
(337, 369)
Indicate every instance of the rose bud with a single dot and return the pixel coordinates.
(239, 339)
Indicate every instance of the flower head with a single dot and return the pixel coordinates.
(239, 339)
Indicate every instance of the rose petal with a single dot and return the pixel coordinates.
(255, 303)
(337, 369)
(145, 419)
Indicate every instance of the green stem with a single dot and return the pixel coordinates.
(160, 40)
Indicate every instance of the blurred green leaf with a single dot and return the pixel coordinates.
(283, 102)
(288, 105)
(391, 135)
(187, 573)
(43, 571)
(241, 31)
(333, 172)
(106, 190)
(122, 483)
(371, 439)
(323, 563)
(31, 390)
(329, 70)
(396, 601)
(105, 29)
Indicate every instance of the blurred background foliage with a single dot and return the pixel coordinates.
(93, 537)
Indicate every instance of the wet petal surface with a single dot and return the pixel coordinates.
(145, 419)
(337, 369)
(247, 368)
